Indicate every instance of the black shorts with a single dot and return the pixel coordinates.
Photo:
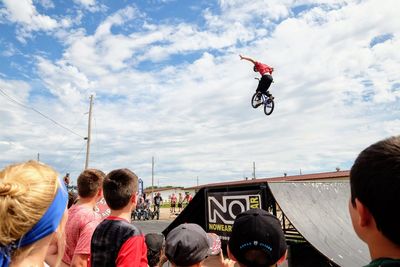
(264, 83)
(172, 205)
(179, 205)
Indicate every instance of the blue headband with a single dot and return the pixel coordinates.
(45, 226)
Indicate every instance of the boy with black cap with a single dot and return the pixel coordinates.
(257, 240)
(375, 199)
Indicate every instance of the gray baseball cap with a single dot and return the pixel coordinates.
(187, 244)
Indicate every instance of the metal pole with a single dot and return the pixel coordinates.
(254, 170)
(38, 157)
(89, 130)
(152, 177)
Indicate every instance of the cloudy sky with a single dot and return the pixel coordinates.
(168, 83)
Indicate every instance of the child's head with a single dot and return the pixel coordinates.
(187, 245)
(375, 189)
(90, 182)
(120, 187)
(155, 245)
(32, 206)
(257, 239)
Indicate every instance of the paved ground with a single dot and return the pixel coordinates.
(156, 226)
(152, 226)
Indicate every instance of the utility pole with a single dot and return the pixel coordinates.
(38, 157)
(197, 180)
(152, 177)
(88, 135)
(254, 170)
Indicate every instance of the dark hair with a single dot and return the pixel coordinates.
(375, 182)
(153, 257)
(89, 182)
(72, 197)
(118, 187)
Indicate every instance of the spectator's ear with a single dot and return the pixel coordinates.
(134, 199)
(282, 259)
(100, 193)
(365, 217)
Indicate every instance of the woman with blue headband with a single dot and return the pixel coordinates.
(33, 205)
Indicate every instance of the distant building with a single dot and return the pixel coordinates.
(315, 177)
(337, 175)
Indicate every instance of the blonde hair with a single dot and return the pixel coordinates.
(26, 191)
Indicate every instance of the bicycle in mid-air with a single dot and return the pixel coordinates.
(259, 99)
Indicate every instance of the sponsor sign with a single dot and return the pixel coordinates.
(102, 208)
(223, 207)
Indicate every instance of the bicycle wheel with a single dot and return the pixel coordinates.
(269, 106)
(254, 102)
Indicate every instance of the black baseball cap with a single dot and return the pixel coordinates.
(187, 244)
(257, 238)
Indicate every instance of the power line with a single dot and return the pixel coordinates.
(73, 159)
(40, 113)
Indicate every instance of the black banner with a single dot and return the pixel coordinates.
(222, 208)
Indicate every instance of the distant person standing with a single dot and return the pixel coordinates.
(180, 202)
(72, 196)
(67, 179)
(117, 242)
(188, 198)
(82, 219)
(157, 201)
(375, 199)
(173, 203)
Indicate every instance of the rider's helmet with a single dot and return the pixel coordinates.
(255, 68)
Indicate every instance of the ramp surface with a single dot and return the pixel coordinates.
(319, 212)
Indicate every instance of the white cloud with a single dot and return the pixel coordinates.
(334, 93)
(91, 5)
(64, 81)
(46, 3)
(24, 12)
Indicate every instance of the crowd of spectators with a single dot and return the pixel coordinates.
(38, 229)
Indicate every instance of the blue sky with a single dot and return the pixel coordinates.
(168, 82)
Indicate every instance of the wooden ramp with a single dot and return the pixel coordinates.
(319, 212)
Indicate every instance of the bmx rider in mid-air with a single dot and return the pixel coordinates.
(266, 76)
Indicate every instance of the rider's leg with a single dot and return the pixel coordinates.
(267, 80)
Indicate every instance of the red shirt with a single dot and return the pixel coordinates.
(263, 68)
(173, 199)
(118, 243)
(81, 223)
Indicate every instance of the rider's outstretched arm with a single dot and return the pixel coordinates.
(248, 59)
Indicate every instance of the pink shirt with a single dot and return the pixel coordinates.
(81, 223)
(173, 199)
(263, 68)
